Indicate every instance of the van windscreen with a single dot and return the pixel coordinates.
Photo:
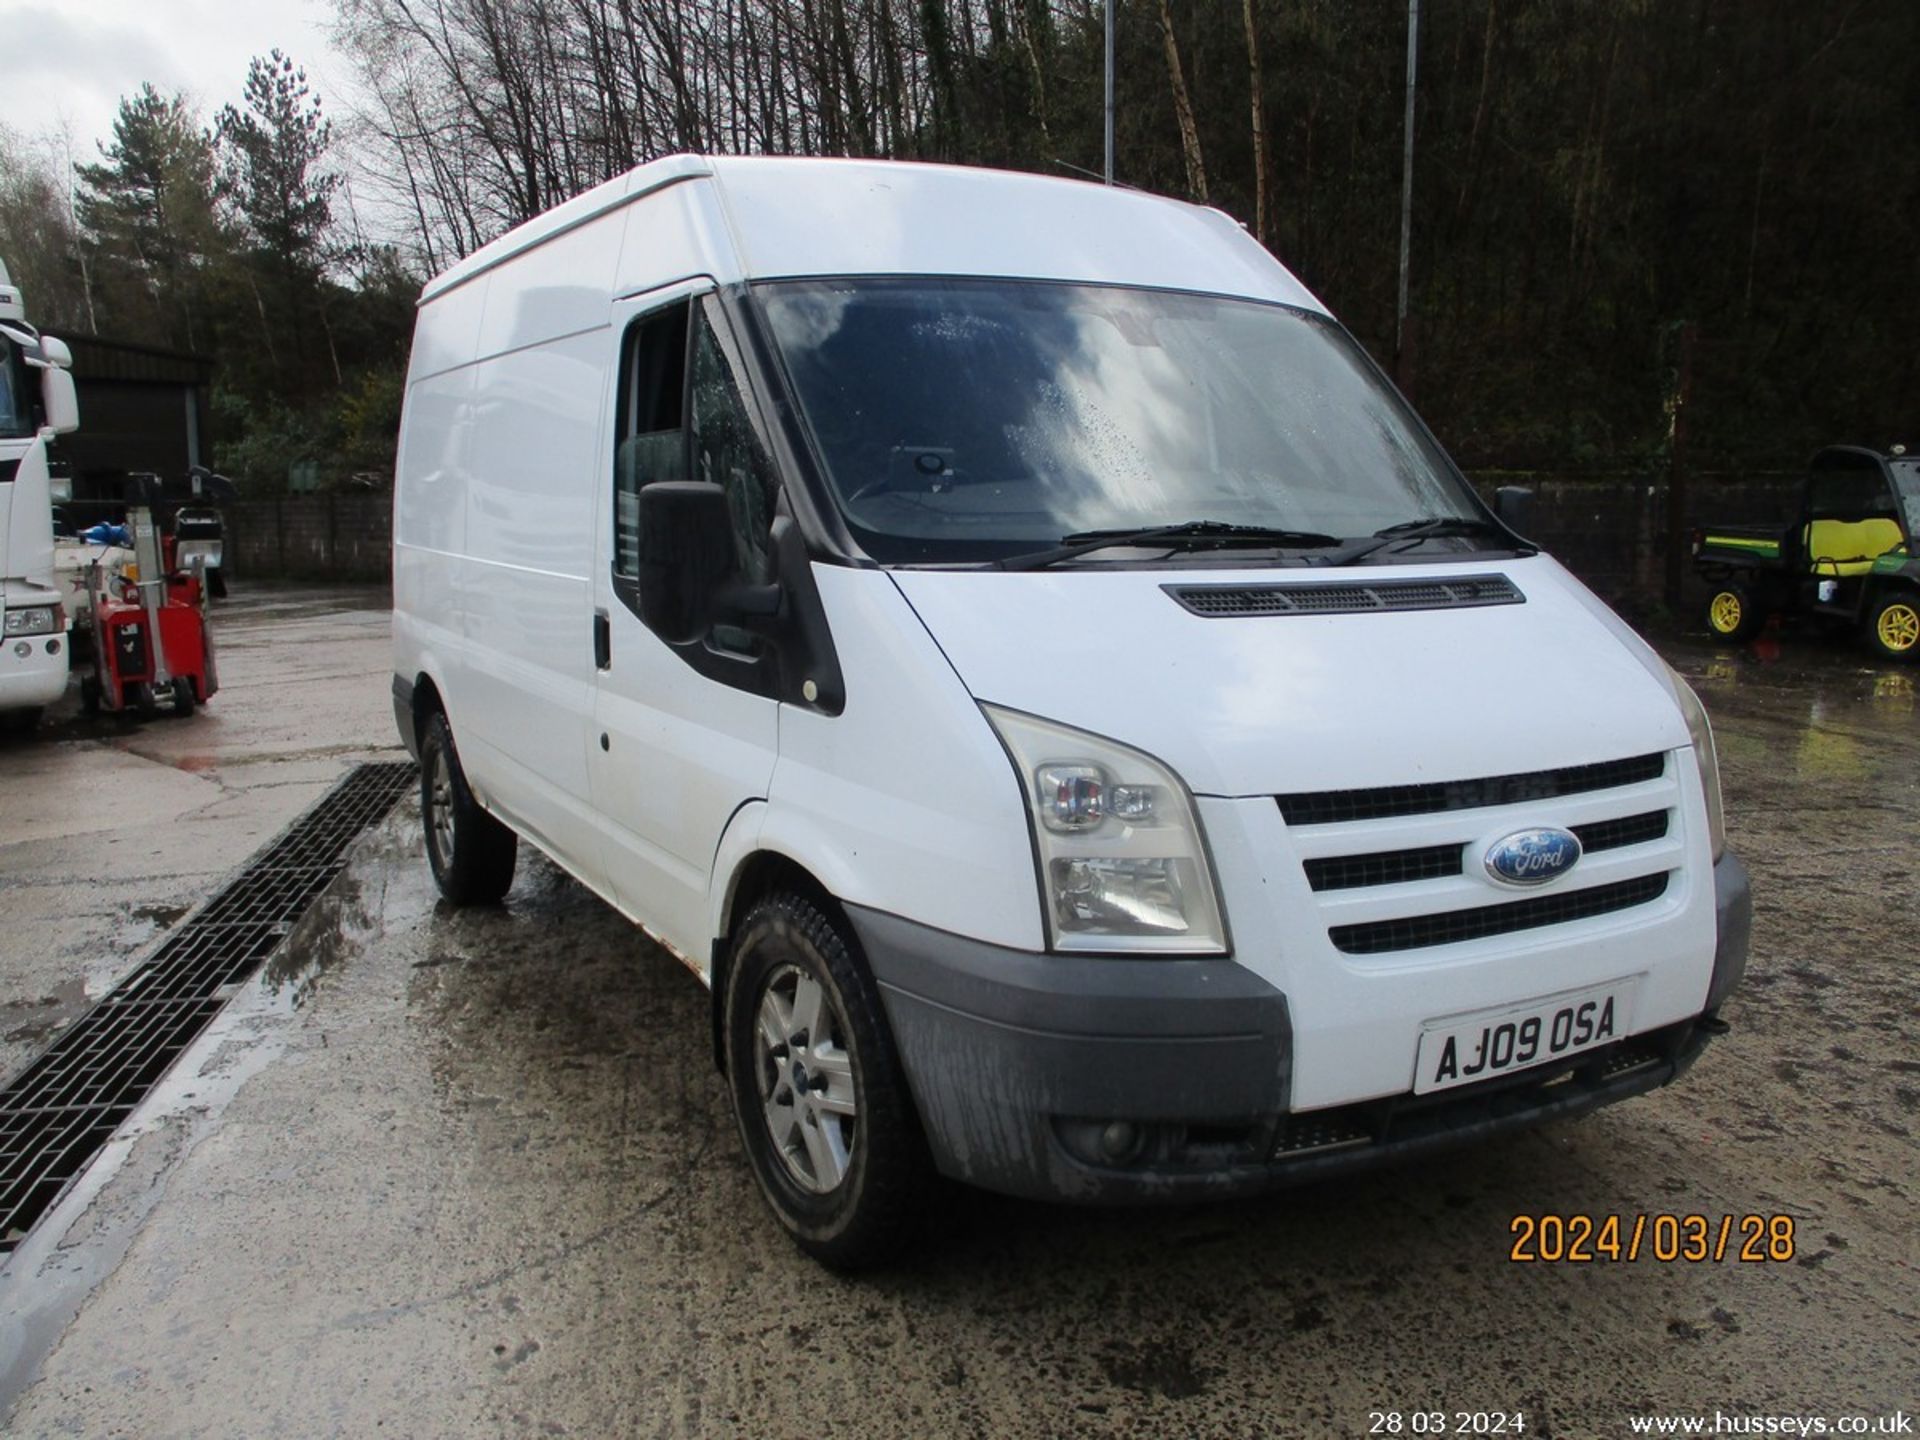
(973, 420)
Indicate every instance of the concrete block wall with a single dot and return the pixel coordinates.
(346, 537)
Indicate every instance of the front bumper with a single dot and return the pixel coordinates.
(1019, 1062)
(37, 678)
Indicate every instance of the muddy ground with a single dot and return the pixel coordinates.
(473, 1173)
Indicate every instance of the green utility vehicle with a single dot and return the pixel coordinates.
(1848, 557)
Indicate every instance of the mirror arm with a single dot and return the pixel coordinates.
(737, 599)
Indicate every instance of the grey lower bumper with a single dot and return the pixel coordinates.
(999, 1045)
(1018, 1061)
(1733, 907)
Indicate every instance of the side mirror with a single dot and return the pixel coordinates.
(1514, 505)
(686, 557)
(55, 352)
(58, 399)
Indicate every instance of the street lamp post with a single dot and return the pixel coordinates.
(1109, 8)
(1401, 364)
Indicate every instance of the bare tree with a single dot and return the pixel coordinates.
(1183, 110)
(1258, 119)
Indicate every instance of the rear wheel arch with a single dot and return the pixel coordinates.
(426, 704)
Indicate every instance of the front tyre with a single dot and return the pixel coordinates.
(817, 1088)
(471, 853)
(1893, 626)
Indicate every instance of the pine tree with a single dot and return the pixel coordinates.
(146, 210)
(273, 154)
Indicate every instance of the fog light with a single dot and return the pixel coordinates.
(1120, 1141)
(22, 649)
(53, 647)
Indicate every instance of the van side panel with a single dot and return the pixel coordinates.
(527, 611)
(430, 490)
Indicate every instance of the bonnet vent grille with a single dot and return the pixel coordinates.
(1458, 592)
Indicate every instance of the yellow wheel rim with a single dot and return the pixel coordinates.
(1899, 627)
(1725, 612)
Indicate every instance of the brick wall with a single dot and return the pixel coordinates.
(1610, 530)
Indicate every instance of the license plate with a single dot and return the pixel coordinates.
(1460, 1051)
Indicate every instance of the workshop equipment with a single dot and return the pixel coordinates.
(151, 637)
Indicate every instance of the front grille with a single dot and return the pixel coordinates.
(1387, 867)
(1628, 830)
(1437, 862)
(1219, 602)
(1321, 1130)
(1328, 807)
(56, 1114)
(1416, 932)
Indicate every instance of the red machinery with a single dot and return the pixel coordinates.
(150, 639)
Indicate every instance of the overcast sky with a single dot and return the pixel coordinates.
(76, 58)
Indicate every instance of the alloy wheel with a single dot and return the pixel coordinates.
(440, 807)
(806, 1079)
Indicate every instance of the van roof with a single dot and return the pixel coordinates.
(790, 216)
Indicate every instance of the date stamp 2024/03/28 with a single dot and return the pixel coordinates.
(1668, 1238)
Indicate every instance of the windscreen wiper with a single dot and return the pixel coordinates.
(1426, 529)
(1192, 535)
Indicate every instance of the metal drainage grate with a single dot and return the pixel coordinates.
(56, 1114)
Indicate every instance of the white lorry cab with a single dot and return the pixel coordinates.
(36, 402)
(1009, 641)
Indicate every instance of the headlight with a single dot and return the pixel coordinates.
(1122, 863)
(1706, 757)
(34, 620)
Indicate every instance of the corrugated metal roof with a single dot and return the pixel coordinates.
(98, 358)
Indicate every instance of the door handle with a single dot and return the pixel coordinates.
(602, 641)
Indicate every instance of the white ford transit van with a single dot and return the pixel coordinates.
(1007, 639)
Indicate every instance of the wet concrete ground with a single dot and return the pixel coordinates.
(473, 1173)
(115, 827)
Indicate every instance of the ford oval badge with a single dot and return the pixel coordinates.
(1533, 857)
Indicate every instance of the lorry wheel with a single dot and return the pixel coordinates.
(90, 694)
(1893, 626)
(818, 1092)
(182, 695)
(1732, 615)
(471, 853)
(144, 700)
